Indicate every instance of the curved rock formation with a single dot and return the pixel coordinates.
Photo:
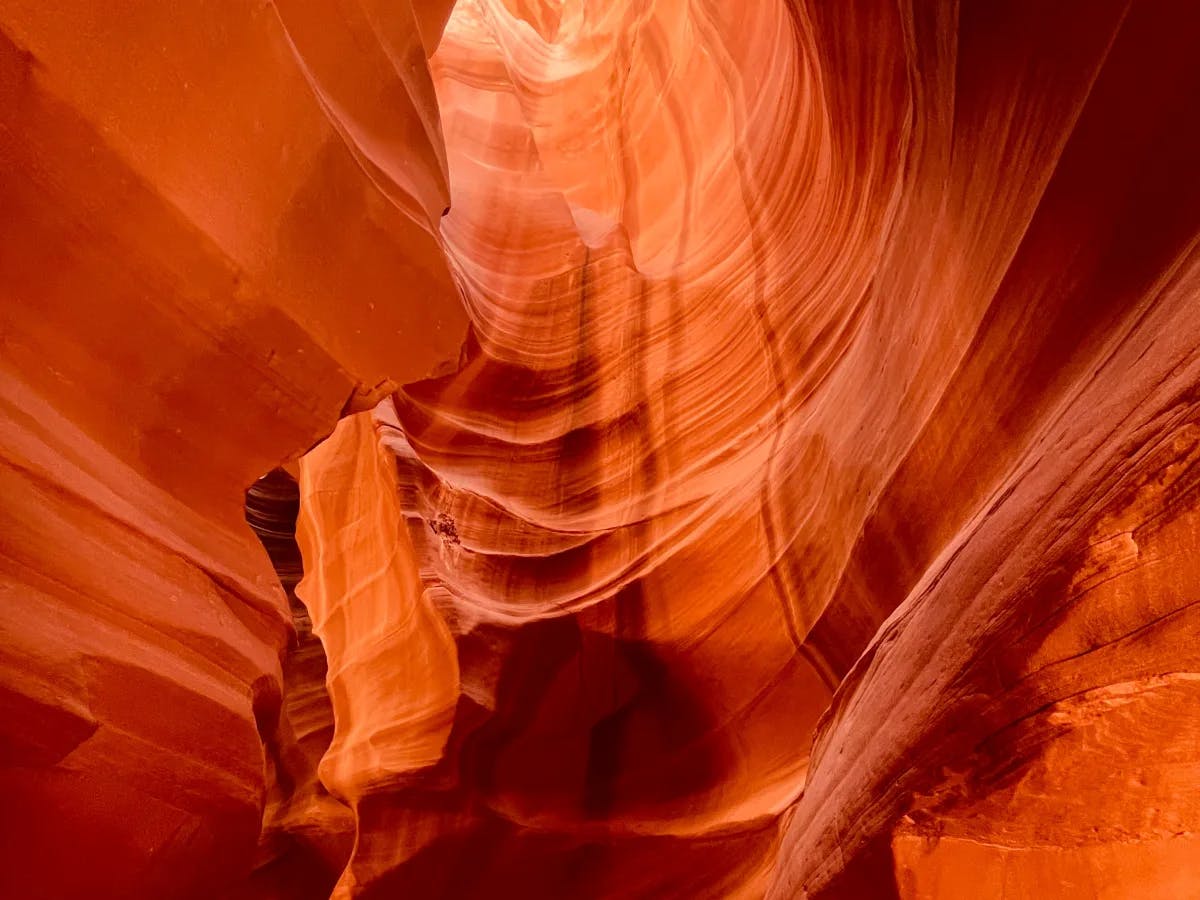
(808, 512)
(171, 327)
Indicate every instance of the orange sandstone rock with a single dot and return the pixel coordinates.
(171, 327)
(771, 478)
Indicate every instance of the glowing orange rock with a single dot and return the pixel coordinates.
(808, 512)
(171, 327)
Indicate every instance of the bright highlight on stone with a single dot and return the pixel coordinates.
(734, 450)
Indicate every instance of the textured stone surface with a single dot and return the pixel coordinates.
(809, 510)
(172, 326)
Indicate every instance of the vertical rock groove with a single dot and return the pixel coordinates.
(769, 468)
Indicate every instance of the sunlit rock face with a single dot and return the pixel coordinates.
(198, 276)
(772, 477)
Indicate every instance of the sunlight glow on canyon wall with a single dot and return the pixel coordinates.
(731, 449)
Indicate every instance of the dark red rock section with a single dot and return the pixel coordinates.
(772, 477)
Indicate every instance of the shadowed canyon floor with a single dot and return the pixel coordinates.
(596, 449)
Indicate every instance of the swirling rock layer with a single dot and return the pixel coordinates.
(809, 511)
(171, 329)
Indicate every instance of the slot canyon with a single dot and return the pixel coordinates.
(600, 450)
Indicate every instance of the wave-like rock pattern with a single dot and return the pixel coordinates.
(172, 327)
(780, 315)
(809, 512)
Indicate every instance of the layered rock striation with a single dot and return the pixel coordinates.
(172, 326)
(764, 465)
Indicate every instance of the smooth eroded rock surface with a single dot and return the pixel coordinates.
(750, 449)
(171, 328)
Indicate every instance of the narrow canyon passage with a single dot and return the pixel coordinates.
(713, 449)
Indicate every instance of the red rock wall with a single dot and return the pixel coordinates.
(808, 512)
(171, 327)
